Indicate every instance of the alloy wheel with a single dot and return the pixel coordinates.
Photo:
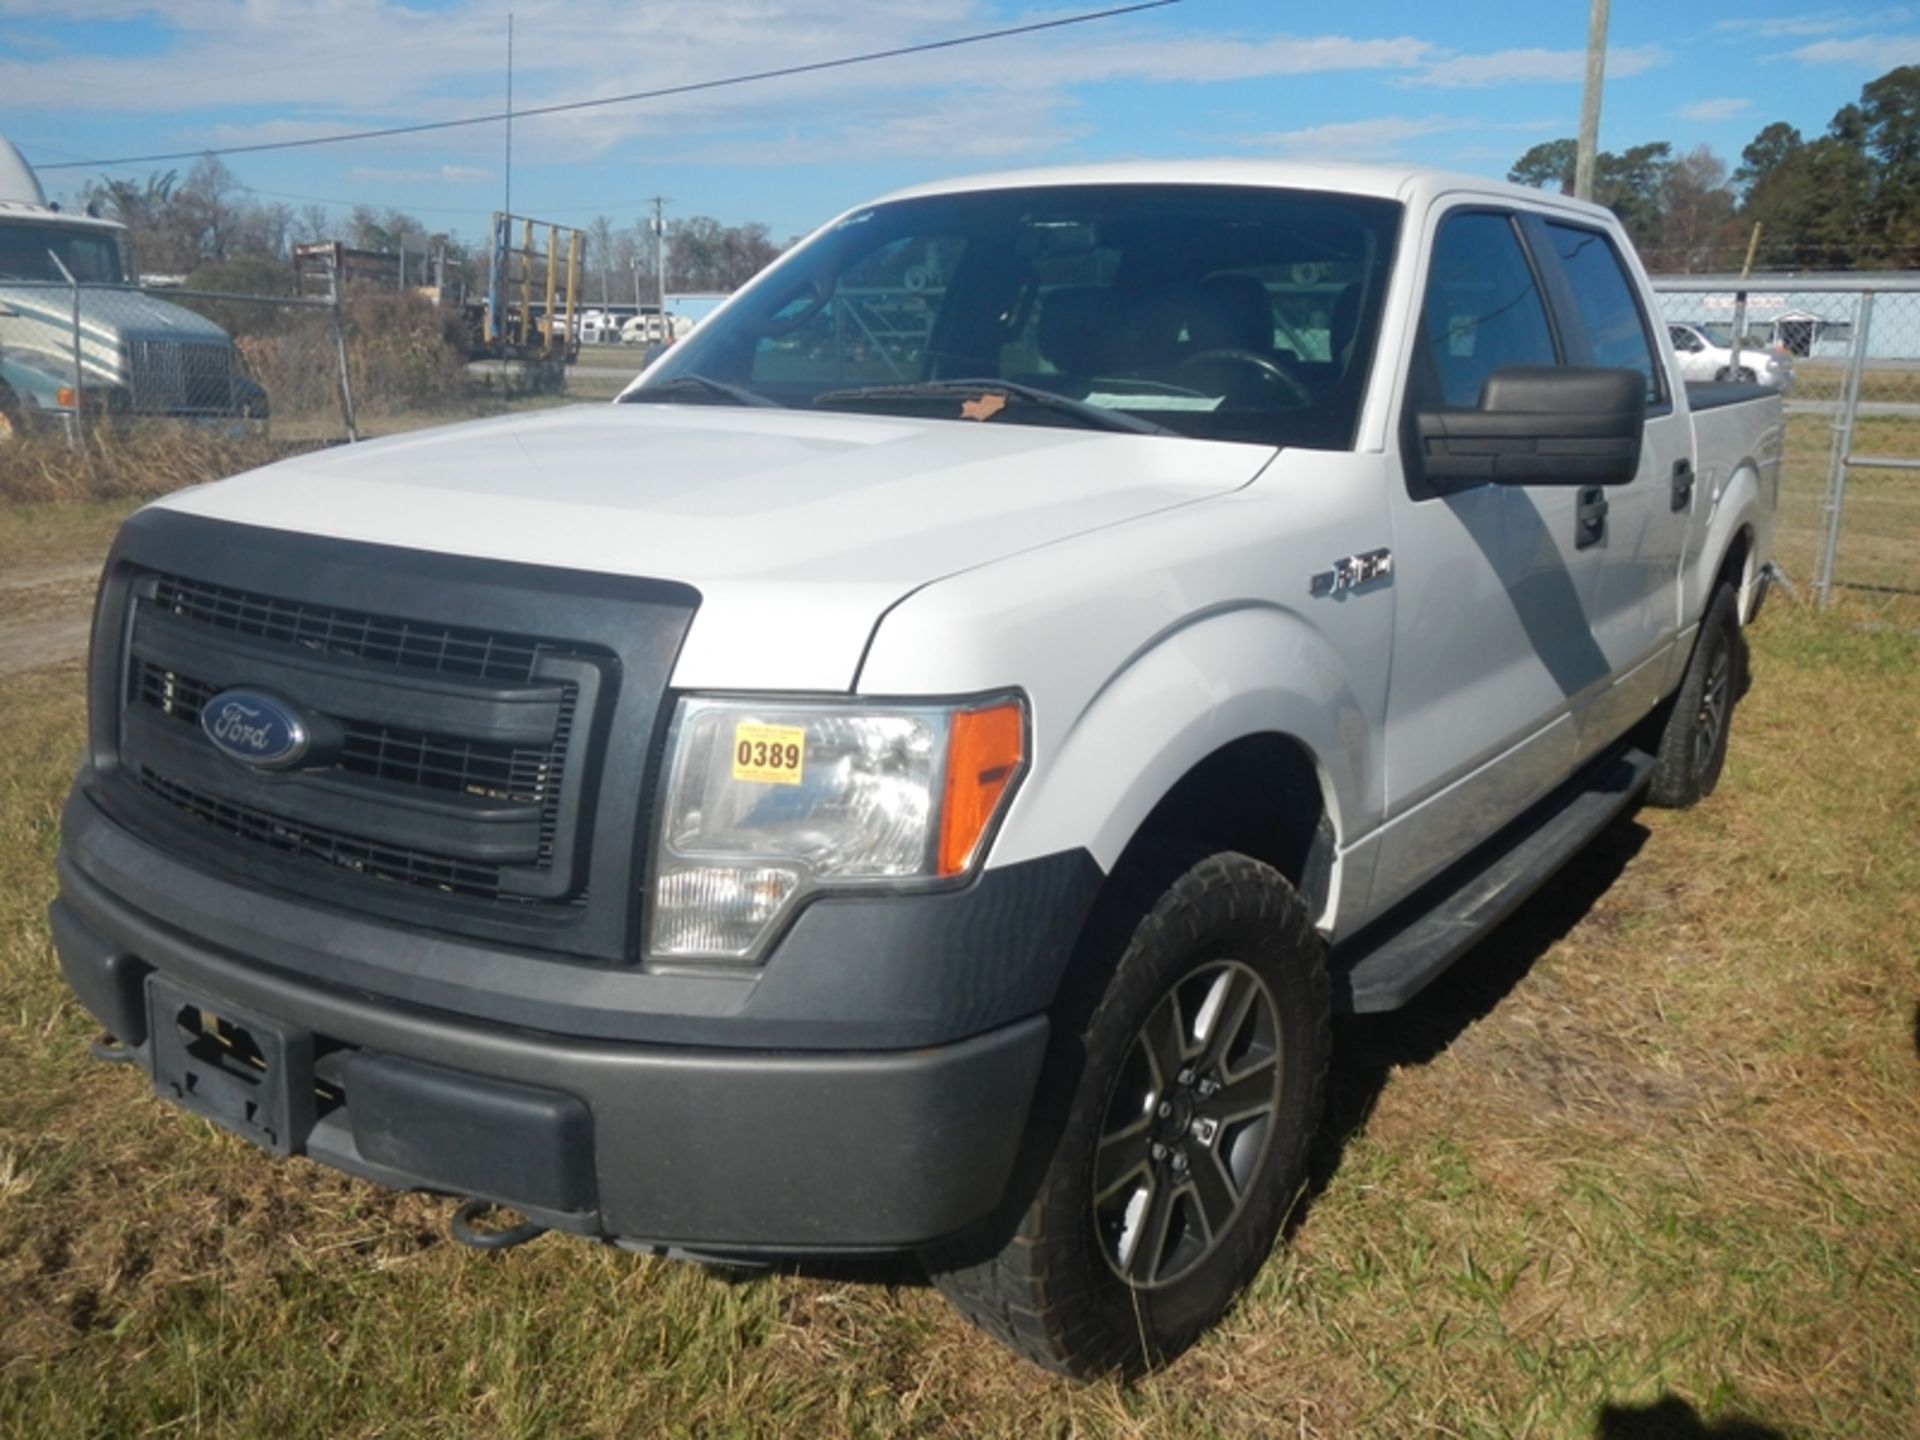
(1185, 1134)
(1711, 722)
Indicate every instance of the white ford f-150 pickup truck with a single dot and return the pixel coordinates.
(920, 771)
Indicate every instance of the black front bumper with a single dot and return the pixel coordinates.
(697, 1146)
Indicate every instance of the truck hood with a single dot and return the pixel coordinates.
(798, 529)
(38, 320)
(109, 312)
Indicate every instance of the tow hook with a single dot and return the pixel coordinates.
(109, 1051)
(463, 1229)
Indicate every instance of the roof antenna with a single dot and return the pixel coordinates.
(506, 204)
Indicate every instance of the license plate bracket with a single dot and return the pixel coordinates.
(245, 1072)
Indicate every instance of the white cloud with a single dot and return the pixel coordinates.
(397, 63)
(1534, 67)
(1816, 22)
(1200, 59)
(1875, 52)
(321, 67)
(958, 132)
(1711, 111)
(1351, 139)
(1787, 27)
(444, 174)
(1392, 136)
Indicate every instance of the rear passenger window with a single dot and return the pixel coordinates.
(1483, 310)
(1604, 295)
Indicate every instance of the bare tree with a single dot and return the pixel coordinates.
(267, 229)
(207, 202)
(600, 253)
(1696, 211)
(313, 225)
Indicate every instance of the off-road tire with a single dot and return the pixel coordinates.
(1043, 1285)
(1693, 736)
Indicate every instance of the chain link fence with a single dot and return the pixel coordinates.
(84, 363)
(77, 359)
(1848, 346)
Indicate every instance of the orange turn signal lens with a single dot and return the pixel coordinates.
(63, 397)
(985, 750)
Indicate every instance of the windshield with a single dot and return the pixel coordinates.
(1222, 312)
(92, 256)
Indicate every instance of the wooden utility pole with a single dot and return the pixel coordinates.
(1589, 144)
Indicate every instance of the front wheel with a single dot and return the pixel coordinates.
(1185, 1141)
(1693, 736)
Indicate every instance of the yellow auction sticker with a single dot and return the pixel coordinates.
(769, 754)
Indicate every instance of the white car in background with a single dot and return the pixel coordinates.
(1705, 353)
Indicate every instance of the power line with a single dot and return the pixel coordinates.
(693, 87)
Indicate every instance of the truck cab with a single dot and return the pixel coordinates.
(921, 770)
(78, 337)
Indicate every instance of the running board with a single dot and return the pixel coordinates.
(1384, 971)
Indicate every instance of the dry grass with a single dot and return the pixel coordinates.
(1656, 1143)
(136, 462)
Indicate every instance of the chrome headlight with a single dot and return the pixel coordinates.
(768, 801)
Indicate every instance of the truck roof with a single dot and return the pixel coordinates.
(1405, 183)
(18, 183)
(46, 214)
(21, 197)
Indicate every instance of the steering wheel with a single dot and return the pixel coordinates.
(1268, 372)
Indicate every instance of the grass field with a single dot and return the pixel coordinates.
(1651, 1155)
(1647, 1165)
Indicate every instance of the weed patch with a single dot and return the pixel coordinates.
(134, 462)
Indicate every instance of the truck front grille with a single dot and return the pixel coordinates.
(485, 735)
(313, 843)
(180, 375)
(476, 801)
(520, 774)
(441, 649)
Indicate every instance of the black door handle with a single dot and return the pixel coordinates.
(1591, 518)
(1682, 484)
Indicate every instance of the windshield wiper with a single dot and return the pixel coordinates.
(679, 387)
(1094, 417)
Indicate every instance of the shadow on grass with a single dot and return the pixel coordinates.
(1671, 1418)
(1367, 1049)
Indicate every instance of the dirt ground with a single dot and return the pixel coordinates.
(44, 612)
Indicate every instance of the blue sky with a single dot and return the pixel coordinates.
(1464, 85)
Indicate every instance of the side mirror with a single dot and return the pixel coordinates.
(1539, 425)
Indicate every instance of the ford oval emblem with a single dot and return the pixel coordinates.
(256, 729)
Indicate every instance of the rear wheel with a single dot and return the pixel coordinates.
(1693, 737)
(1185, 1143)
